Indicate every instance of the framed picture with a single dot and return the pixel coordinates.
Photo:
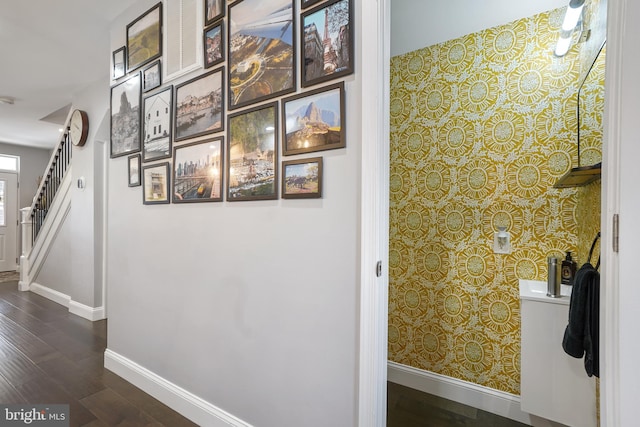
(307, 3)
(213, 10)
(155, 184)
(252, 154)
(261, 50)
(314, 121)
(213, 42)
(156, 125)
(327, 31)
(200, 106)
(151, 77)
(198, 171)
(134, 170)
(144, 38)
(125, 117)
(302, 179)
(119, 62)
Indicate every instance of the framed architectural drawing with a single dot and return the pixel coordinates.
(156, 125)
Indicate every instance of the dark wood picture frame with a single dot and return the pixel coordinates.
(327, 56)
(151, 76)
(261, 51)
(157, 112)
(213, 10)
(198, 171)
(133, 169)
(199, 106)
(155, 184)
(144, 38)
(252, 154)
(302, 178)
(314, 120)
(119, 63)
(125, 116)
(307, 3)
(213, 44)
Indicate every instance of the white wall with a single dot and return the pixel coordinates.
(252, 306)
(416, 24)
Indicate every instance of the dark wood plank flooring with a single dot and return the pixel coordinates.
(407, 407)
(49, 356)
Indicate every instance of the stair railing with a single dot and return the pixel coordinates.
(54, 173)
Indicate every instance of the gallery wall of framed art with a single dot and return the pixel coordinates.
(249, 124)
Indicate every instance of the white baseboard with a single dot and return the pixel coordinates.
(189, 405)
(89, 313)
(50, 294)
(84, 311)
(484, 398)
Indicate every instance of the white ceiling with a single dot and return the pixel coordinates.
(49, 51)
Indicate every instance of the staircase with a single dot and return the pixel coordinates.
(41, 221)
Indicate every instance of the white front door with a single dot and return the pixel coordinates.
(8, 221)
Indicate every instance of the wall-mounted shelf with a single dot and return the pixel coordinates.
(580, 176)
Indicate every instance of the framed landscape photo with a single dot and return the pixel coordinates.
(198, 171)
(151, 77)
(253, 154)
(155, 184)
(156, 125)
(200, 106)
(261, 50)
(134, 170)
(302, 179)
(213, 10)
(327, 34)
(125, 116)
(119, 62)
(314, 121)
(213, 43)
(144, 38)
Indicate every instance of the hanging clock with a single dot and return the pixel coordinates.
(79, 128)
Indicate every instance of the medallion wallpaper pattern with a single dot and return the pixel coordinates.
(481, 128)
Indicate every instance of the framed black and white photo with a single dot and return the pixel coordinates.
(261, 50)
(327, 34)
(307, 3)
(151, 76)
(125, 116)
(253, 154)
(200, 106)
(144, 38)
(314, 120)
(213, 43)
(302, 179)
(119, 62)
(198, 170)
(134, 170)
(156, 125)
(213, 10)
(155, 184)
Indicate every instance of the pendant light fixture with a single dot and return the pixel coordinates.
(571, 18)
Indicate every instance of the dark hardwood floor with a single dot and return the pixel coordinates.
(407, 407)
(49, 356)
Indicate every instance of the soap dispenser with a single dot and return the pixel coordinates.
(568, 270)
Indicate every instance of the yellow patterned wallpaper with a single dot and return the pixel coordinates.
(481, 128)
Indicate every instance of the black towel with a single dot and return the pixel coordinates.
(581, 335)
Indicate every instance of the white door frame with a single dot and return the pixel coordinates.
(374, 204)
